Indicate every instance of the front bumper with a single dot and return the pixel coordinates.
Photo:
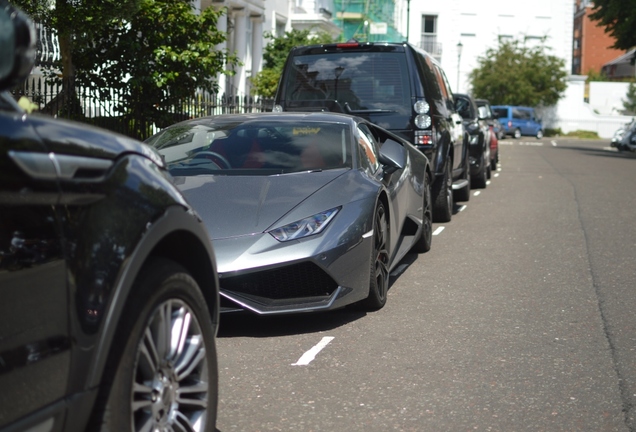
(313, 274)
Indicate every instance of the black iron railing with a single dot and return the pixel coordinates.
(110, 112)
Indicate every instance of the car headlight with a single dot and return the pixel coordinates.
(305, 227)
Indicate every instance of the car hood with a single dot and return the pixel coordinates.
(232, 206)
(73, 138)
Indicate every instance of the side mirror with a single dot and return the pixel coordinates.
(392, 156)
(483, 113)
(17, 46)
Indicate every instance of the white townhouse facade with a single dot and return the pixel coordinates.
(248, 21)
(443, 27)
(244, 25)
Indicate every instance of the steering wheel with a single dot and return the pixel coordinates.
(214, 157)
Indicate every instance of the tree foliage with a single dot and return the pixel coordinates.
(275, 53)
(630, 102)
(619, 19)
(71, 19)
(153, 53)
(593, 75)
(514, 74)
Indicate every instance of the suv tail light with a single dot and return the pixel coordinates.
(348, 45)
(423, 138)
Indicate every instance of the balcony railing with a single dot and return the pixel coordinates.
(434, 48)
(48, 49)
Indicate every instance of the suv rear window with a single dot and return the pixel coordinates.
(364, 81)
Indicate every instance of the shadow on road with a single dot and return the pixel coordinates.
(603, 152)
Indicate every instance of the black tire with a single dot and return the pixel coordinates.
(517, 134)
(539, 134)
(423, 243)
(443, 195)
(479, 181)
(493, 162)
(463, 194)
(152, 382)
(379, 269)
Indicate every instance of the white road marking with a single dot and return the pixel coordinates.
(476, 193)
(496, 175)
(438, 231)
(310, 355)
(553, 143)
(461, 208)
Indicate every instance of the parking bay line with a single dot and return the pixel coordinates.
(310, 355)
(438, 230)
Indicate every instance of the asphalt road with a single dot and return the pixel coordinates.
(520, 318)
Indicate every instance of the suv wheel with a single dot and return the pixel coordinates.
(423, 244)
(166, 375)
(517, 133)
(479, 181)
(539, 134)
(443, 195)
(463, 194)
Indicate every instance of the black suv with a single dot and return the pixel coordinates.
(478, 139)
(108, 286)
(394, 85)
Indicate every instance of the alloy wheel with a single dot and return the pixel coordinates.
(381, 252)
(170, 383)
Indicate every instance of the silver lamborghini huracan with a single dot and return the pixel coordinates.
(306, 211)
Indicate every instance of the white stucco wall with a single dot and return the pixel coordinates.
(607, 97)
(478, 26)
(572, 113)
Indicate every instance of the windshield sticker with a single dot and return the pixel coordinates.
(306, 131)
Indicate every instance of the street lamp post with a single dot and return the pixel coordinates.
(459, 58)
(408, 18)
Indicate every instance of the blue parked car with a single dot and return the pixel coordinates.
(518, 120)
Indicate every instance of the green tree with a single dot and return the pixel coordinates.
(162, 54)
(630, 102)
(72, 20)
(593, 75)
(514, 74)
(275, 53)
(619, 19)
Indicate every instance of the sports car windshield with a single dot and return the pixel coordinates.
(262, 147)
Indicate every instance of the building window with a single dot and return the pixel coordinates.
(429, 34)
(280, 29)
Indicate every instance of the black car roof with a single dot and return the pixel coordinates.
(351, 46)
